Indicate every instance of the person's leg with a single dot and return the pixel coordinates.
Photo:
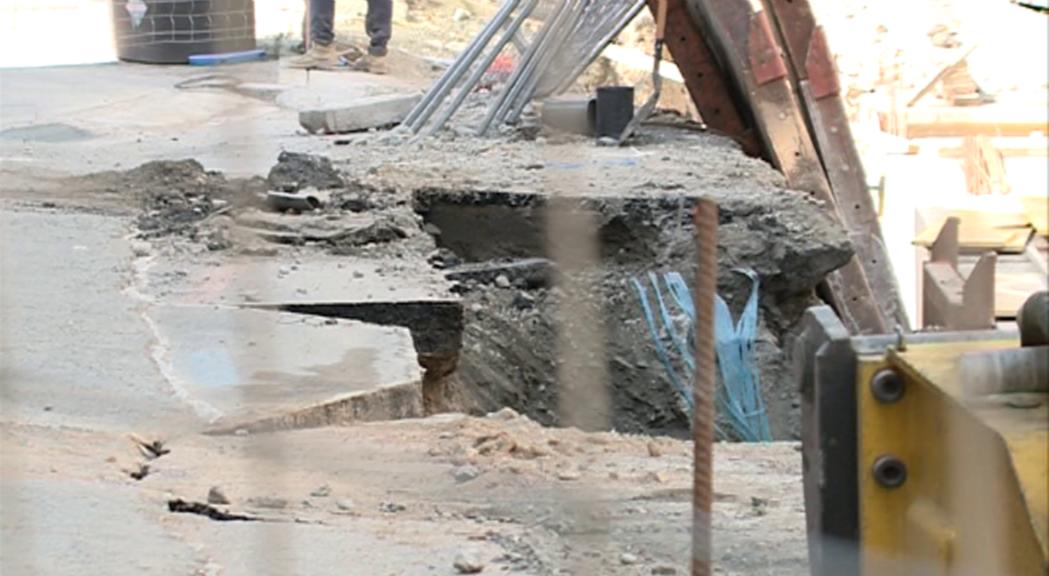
(379, 25)
(321, 53)
(322, 22)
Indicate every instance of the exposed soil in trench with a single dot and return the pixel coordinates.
(480, 212)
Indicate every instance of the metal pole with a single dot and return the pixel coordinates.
(706, 219)
(564, 25)
(428, 98)
(417, 117)
(619, 23)
(511, 85)
(585, 29)
(480, 70)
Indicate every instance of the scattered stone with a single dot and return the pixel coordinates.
(628, 559)
(321, 492)
(151, 449)
(465, 473)
(391, 507)
(759, 506)
(527, 273)
(524, 301)
(654, 450)
(217, 239)
(468, 562)
(270, 502)
(355, 202)
(443, 258)
(504, 414)
(294, 171)
(139, 472)
(664, 570)
(502, 281)
(217, 496)
(179, 505)
(569, 475)
(658, 477)
(141, 248)
(380, 231)
(461, 15)
(344, 504)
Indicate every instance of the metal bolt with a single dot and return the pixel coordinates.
(887, 386)
(889, 471)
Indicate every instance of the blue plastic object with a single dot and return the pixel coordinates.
(227, 58)
(739, 396)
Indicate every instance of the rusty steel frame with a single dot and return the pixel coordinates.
(754, 60)
(815, 78)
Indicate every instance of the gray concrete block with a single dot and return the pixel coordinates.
(265, 369)
(364, 114)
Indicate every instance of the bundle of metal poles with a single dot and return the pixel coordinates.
(571, 36)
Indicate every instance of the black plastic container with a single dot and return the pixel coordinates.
(615, 109)
(170, 31)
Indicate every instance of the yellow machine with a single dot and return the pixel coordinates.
(926, 454)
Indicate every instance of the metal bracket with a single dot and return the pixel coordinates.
(950, 301)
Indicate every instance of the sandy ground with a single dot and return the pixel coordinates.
(403, 497)
(392, 498)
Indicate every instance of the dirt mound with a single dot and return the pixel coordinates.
(183, 202)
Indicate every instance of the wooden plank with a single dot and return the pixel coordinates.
(994, 120)
(943, 73)
(753, 59)
(984, 167)
(1006, 233)
(1007, 147)
(1036, 208)
(714, 98)
(816, 79)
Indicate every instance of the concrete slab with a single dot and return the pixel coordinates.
(412, 296)
(313, 280)
(364, 114)
(259, 369)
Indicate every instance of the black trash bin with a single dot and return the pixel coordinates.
(170, 31)
(615, 110)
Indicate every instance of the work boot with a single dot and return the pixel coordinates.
(318, 56)
(373, 62)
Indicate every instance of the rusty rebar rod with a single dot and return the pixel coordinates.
(706, 220)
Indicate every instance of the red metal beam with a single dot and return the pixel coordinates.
(704, 79)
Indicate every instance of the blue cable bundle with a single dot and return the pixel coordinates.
(739, 396)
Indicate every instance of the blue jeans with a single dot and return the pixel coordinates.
(378, 23)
